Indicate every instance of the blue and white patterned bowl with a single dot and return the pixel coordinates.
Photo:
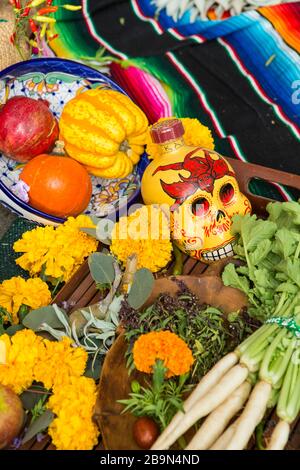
(57, 81)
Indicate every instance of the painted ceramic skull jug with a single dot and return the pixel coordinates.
(200, 190)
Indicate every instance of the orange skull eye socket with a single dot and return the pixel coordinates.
(200, 207)
(227, 193)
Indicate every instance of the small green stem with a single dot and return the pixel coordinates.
(280, 304)
(265, 367)
(297, 252)
(288, 409)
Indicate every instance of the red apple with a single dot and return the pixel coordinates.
(11, 416)
(27, 128)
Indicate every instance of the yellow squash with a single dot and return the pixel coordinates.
(105, 131)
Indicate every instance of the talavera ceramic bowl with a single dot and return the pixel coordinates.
(57, 81)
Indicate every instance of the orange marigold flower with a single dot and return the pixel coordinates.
(163, 345)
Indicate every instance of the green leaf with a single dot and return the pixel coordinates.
(231, 278)
(252, 230)
(285, 214)
(39, 425)
(11, 330)
(288, 287)
(292, 269)
(261, 251)
(262, 278)
(30, 399)
(93, 367)
(102, 268)
(285, 243)
(23, 311)
(141, 288)
(239, 250)
(43, 315)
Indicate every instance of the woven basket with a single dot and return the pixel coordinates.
(9, 55)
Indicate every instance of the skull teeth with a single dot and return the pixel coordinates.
(218, 254)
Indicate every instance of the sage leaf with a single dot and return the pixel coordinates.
(39, 425)
(30, 399)
(141, 288)
(102, 268)
(35, 318)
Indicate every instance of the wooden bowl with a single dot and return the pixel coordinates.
(116, 428)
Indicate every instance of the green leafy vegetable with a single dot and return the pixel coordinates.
(270, 251)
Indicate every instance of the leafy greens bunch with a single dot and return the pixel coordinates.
(270, 250)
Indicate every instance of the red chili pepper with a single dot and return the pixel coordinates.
(53, 37)
(18, 4)
(12, 38)
(45, 11)
(49, 2)
(33, 26)
(25, 12)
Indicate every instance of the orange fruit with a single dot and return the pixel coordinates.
(58, 185)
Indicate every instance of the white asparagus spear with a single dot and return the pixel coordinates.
(251, 416)
(205, 405)
(280, 436)
(205, 384)
(225, 438)
(217, 421)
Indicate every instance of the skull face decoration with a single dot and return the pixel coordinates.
(204, 202)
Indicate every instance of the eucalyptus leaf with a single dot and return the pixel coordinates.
(102, 268)
(47, 315)
(39, 425)
(141, 288)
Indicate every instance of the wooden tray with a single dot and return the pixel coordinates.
(81, 288)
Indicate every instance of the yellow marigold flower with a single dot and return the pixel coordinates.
(73, 403)
(163, 345)
(58, 362)
(17, 291)
(23, 351)
(195, 134)
(146, 233)
(60, 250)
